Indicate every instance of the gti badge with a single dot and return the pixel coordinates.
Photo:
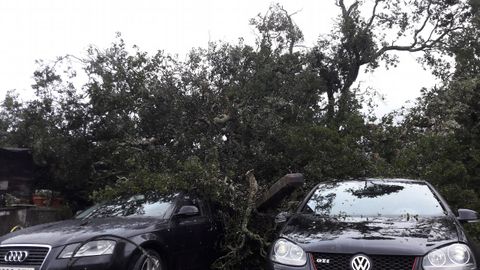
(16, 256)
(361, 262)
(319, 260)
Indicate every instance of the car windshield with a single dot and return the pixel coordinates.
(150, 205)
(374, 199)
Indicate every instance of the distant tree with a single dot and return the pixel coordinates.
(439, 138)
(370, 32)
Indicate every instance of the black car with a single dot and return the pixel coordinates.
(375, 224)
(142, 232)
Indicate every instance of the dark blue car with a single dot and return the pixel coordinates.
(375, 224)
(142, 232)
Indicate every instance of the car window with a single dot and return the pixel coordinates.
(151, 205)
(373, 199)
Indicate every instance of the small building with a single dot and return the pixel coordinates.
(17, 172)
(17, 178)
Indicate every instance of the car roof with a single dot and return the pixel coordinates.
(386, 180)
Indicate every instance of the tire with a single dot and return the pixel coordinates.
(144, 262)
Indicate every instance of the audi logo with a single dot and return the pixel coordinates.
(16, 256)
(361, 262)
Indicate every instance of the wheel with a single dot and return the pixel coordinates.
(151, 262)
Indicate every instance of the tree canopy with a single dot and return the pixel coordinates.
(138, 122)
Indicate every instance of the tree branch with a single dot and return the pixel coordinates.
(428, 44)
(292, 25)
(341, 4)
(244, 230)
(432, 32)
(374, 15)
(350, 9)
(418, 31)
(346, 12)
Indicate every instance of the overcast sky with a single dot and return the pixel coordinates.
(45, 29)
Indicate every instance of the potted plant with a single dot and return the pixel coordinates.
(57, 200)
(42, 197)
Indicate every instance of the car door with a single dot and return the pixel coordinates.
(209, 235)
(473, 233)
(191, 235)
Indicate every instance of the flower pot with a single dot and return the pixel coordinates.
(40, 200)
(57, 202)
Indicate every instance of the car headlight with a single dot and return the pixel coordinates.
(286, 252)
(93, 248)
(452, 257)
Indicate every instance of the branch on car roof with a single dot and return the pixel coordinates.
(236, 250)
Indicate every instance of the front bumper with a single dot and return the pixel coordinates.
(277, 266)
(116, 261)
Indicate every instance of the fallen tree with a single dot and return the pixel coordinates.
(142, 122)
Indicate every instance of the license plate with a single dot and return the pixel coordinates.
(15, 268)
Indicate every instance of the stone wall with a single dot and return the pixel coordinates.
(26, 217)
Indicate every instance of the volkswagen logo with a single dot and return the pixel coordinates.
(16, 256)
(361, 262)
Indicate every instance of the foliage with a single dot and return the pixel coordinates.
(139, 122)
(439, 139)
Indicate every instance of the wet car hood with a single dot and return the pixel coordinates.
(76, 230)
(380, 236)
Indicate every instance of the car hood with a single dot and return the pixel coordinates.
(76, 230)
(380, 236)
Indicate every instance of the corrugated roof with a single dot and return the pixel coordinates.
(13, 149)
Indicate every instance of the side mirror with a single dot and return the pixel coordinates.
(187, 211)
(467, 215)
(282, 217)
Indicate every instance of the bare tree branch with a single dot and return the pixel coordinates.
(290, 21)
(346, 12)
(341, 4)
(374, 15)
(295, 13)
(352, 7)
(428, 44)
(427, 19)
(432, 32)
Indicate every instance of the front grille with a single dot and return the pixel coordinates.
(379, 262)
(36, 255)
